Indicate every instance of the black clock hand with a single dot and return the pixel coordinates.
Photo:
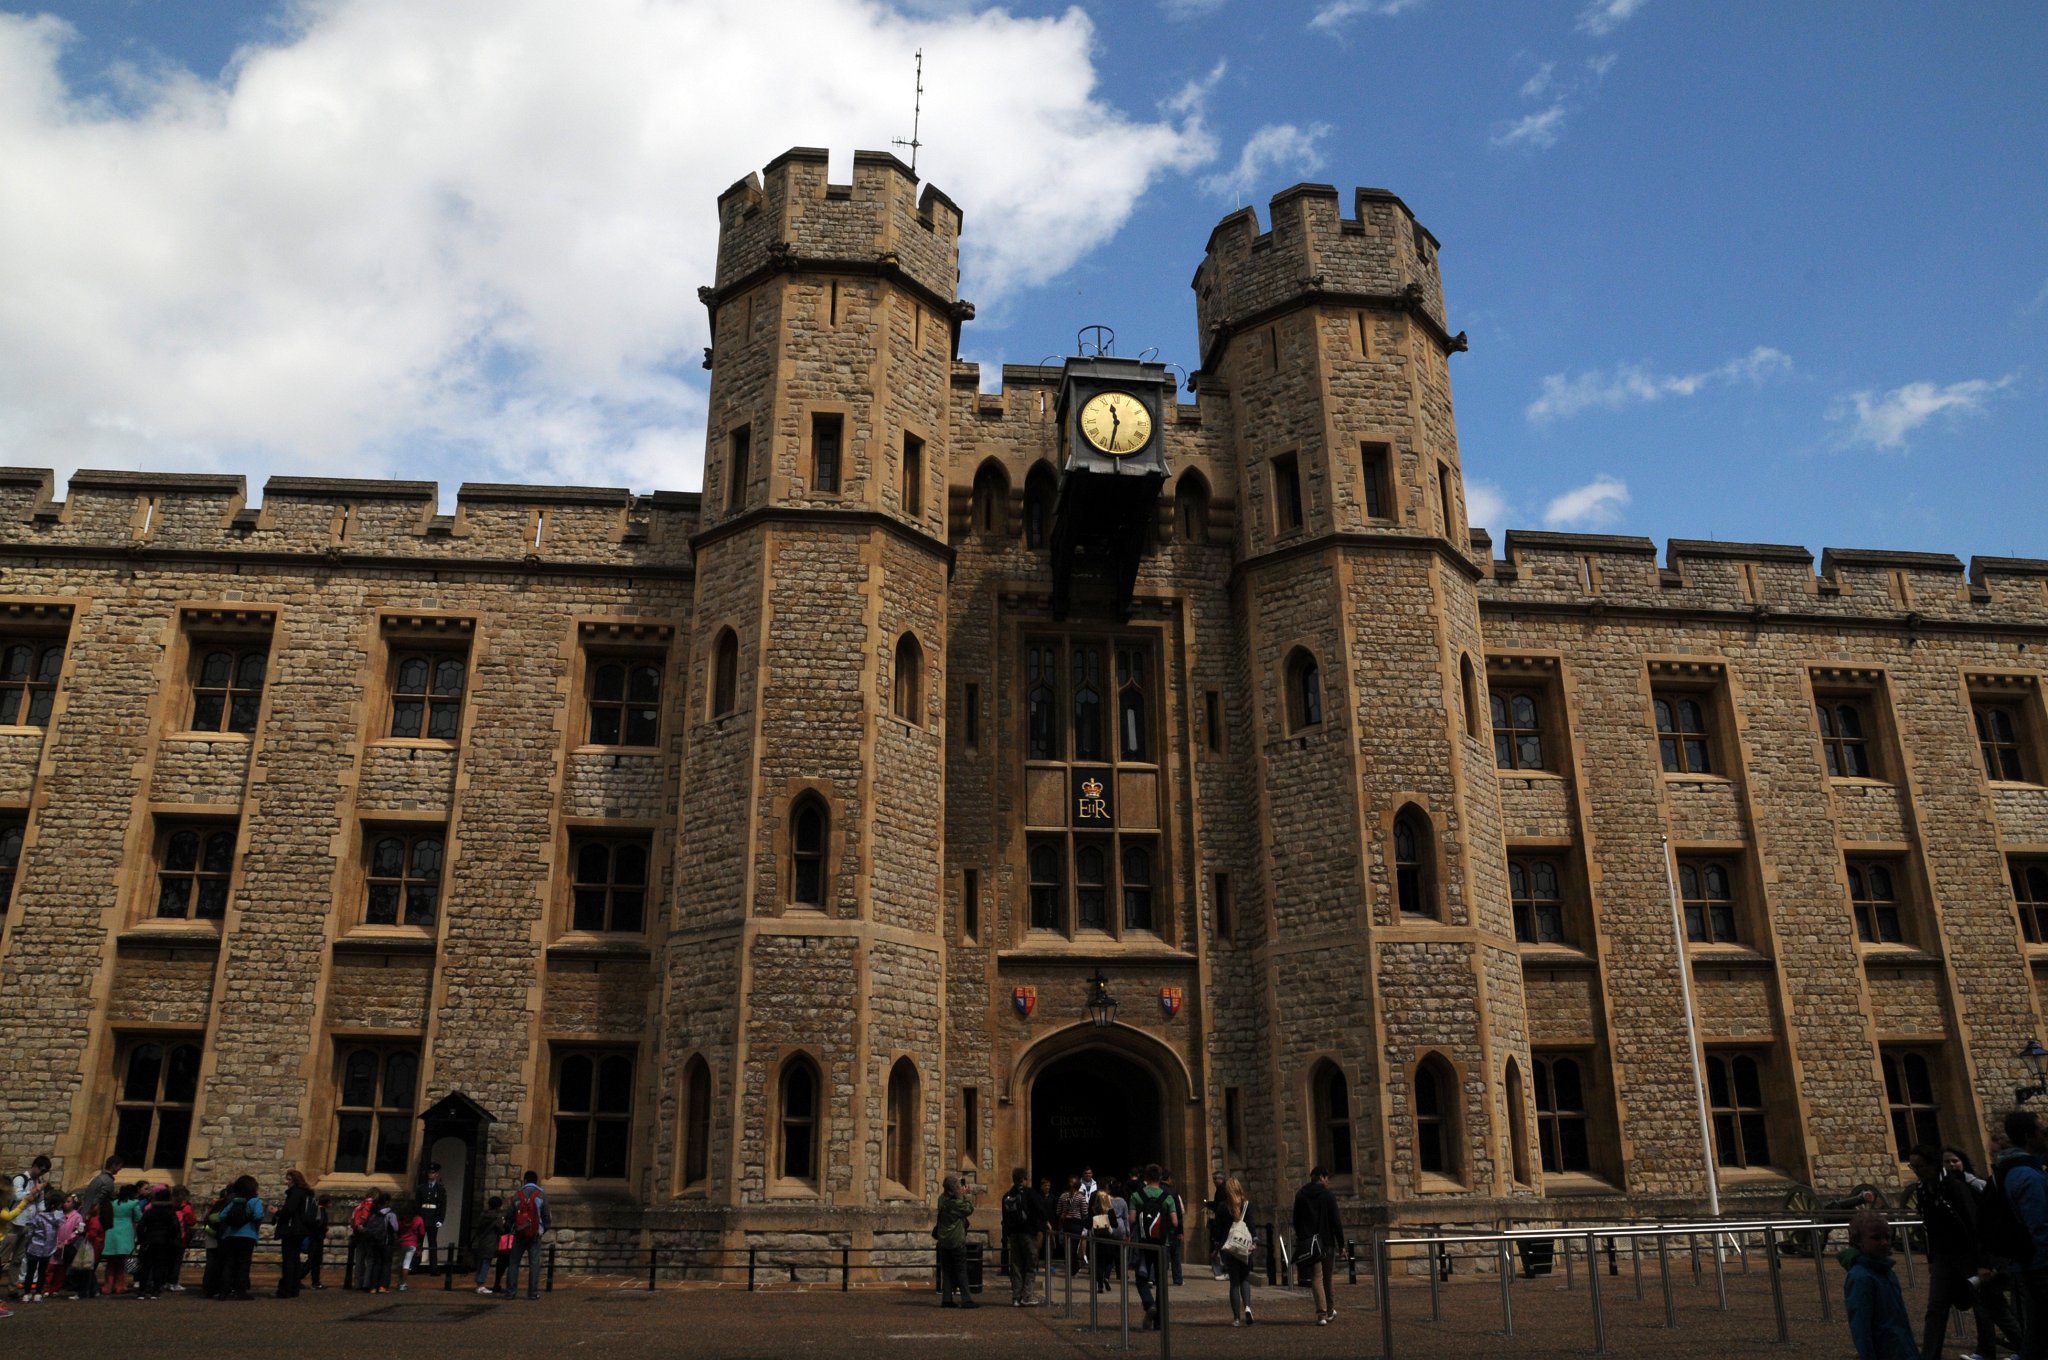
(1112, 425)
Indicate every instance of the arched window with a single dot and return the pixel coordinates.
(1039, 492)
(725, 673)
(1047, 890)
(696, 1122)
(1415, 863)
(992, 501)
(798, 1125)
(900, 1139)
(227, 688)
(28, 686)
(1518, 1123)
(426, 695)
(1191, 507)
(1436, 1119)
(1561, 1122)
(1330, 1098)
(1517, 730)
(1133, 727)
(908, 699)
(809, 827)
(1304, 690)
(1468, 679)
(625, 702)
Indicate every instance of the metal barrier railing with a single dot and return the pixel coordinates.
(1724, 1237)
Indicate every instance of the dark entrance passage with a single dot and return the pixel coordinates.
(1099, 1109)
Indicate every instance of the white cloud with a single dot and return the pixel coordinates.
(1275, 149)
(1537, 83)
(1595, 505)
(1193, 97)
(464, 239)
(1604, 16)
(1486, 505)
(1602, 64)
(1629, 383)
(1191, 9)
(1883, 420)
(1535, 129)
(1334, 14)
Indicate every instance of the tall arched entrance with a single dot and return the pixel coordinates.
(1097, 1108)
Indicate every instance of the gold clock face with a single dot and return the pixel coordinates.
(1117, 423)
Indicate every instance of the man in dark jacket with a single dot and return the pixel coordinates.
(1219, 1226)
(1318, 1234)
(1949, 1212)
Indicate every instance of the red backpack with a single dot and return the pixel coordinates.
(360, 1218)
(526, 1213)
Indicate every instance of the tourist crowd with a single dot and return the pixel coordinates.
(116, 1237)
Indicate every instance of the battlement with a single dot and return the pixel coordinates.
(790, 216)
(341, 516)
(1379, 252)
(1548, 569)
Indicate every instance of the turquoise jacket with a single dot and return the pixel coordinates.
(1878, 1323)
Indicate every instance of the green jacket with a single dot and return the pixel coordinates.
(951, 1229)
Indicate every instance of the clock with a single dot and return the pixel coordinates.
(1116, 423)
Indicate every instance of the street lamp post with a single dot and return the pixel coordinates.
(1101, 1005)
(2036, 1059)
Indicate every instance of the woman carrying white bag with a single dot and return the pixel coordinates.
(1239, 1248)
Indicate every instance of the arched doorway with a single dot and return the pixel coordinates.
(1096, 1108)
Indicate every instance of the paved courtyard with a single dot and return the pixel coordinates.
(620, 1320)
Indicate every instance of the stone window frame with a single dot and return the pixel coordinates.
(1539, 679)
(798, 794)
(1418, 878)
(1379, 499)
(909, 683)
(1862, 888)
(409, 829)
(1514, 1098)
(902, 1130)
(722, 674)
(578, 834)
(1333, 1131)
(1041, 498)
(1705, 684)
(2027, 873)
(1739, 1115)
(13, 843)
(696, 1094)
(2016, 694)
(1131, 679)
(844, 464)
(1862, 690)
(1907, 1107)
(434, 697)
(781, 1185)
(628, 641)
(1445, 1125)
(739, 472)
(562, 1054)
(988, 505)
(1562, 857)
(1303, 706)
(39, 626)
(385, 1046)
(1738, 867)
(124, 1103)
(244, 635)
(167, 825)
(1552, 1115)
(913, 473)
(1290, 494)
(1193, 500)
(435, 637)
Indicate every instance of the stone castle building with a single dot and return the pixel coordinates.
(745, 861)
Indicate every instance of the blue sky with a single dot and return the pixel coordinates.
(1758, 272)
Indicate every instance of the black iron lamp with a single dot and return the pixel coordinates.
(2036, 1059)
(1102, 1006)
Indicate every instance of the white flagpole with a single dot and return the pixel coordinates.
(1692, 1034)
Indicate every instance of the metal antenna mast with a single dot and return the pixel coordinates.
(916, 116)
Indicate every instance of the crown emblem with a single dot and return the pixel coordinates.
(1091, 788)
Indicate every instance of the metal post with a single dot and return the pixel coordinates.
(1906, 1250)
(1351, 1257)
(1565, 1249)
(1692, 1242)
(1094, 1277)
(1613, 1266)
(448, 1275)
(1635, 1246)
(551, 1267)
(1593, 1287)
(1720, 1274)
(1436, 1301)
(1123, 1282)
(1381, 1260)
(1272, 1260)
(1777, 1282)
(650, 1269)
(1820, 1279)
(1067, 1269)
(1507, 1281)
(750, 1270)
(1664, 1269)
(1043, 1269)
(1165, 1285)
(845, 1269)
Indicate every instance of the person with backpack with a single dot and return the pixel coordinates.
(1177, 1241)
(1948, 1215)
(2016, 1223)
(1318, 1235)
(25, 1188)
(295, 1221)
(117, 1249)
(159, 1240)
(375, 1237)
(950, 1233)
(1107, 1225)
(316, 1241)
(492, 1244)
(188, 1225)
(1151, 1209)
(241, 1222)
(1237, 1250)
(1023, 1230)
(529, 1226)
